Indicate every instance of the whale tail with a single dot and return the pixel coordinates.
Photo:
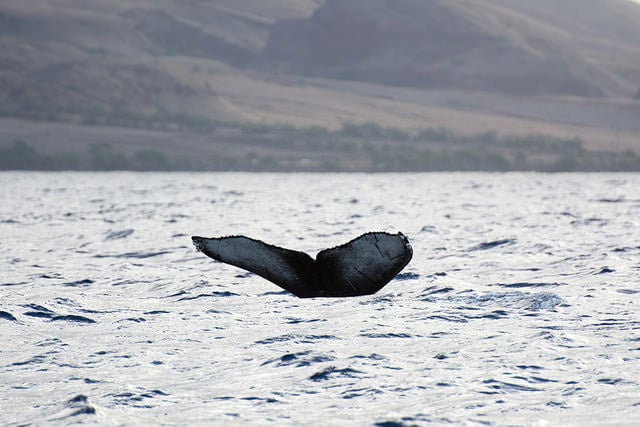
(364, 265)
(359, 267)
(291, 270)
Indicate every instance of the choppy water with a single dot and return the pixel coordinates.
(520, 307)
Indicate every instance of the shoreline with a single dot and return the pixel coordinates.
(197, 144)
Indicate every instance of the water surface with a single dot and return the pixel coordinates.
(520, 306)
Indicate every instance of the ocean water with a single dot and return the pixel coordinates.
(520, 306)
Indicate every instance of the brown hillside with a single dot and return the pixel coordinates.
(563, 68)
(582, 48)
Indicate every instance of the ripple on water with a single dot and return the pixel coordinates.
(300, 359)
(7, 316)
(35, 360)
(492, 244)
(502, 387)
(139, 399)
(76, 407)
(529, 285)
(135, 255)
(296, 320)
(214, 295)
(81, 406)
(73, 318)
(79, 283)
(514, 300)
(434, 290)
(333, 372)
(358, 392)
(387, 335)
(120, 234)
(407, 276)
(38, 311)
(296, 338)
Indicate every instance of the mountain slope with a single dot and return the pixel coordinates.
(585, 48)
(562, 68)
(66, 55)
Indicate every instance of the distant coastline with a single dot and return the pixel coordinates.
(185, 143)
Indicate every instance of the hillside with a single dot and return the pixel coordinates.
(110, 55)
(563, 69)
(582, 48)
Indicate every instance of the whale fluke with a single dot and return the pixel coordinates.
(359, 267)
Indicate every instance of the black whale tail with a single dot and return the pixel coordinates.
(291, 270)
(360, 267)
